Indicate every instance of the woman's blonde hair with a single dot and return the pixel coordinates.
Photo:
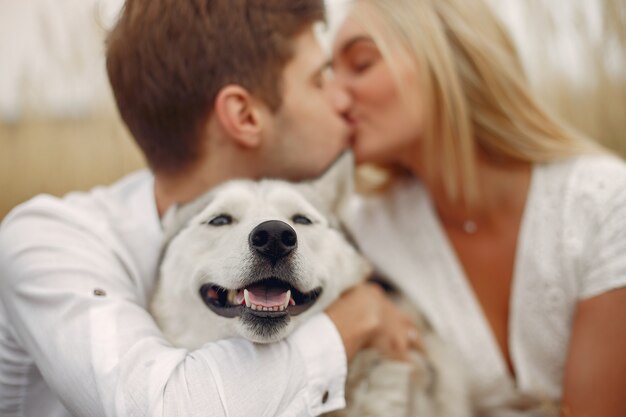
(472, 88)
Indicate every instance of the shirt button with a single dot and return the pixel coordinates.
(325, 397)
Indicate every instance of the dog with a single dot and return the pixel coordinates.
(255, 259)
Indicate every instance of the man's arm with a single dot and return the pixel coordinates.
(74, 308)
(595, 372)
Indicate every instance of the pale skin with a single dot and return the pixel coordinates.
(243, 138)
(595, 373)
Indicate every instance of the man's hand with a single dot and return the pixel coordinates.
(366, 318)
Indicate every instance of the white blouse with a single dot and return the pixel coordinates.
(572, 245)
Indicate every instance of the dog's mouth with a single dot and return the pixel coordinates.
(268, 298)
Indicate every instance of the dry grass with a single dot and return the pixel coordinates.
(52, 156)
(597, 105)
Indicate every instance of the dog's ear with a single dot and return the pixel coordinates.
(179, 215)
(332, 188)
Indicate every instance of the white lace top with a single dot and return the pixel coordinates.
(572, 245)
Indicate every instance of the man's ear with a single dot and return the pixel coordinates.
(239, 115)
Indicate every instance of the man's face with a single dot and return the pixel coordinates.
(307, 132)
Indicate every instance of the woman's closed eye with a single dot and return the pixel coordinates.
(361, 58)
(361, 66)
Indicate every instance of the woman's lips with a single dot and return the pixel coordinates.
(351, 120)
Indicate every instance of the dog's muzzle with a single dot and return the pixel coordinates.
(269, 297)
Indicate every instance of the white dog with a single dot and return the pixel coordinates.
(254, 259)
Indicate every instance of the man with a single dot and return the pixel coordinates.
(210, 90)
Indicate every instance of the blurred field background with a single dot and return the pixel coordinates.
(59, 130)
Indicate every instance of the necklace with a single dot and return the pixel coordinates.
(470, 227)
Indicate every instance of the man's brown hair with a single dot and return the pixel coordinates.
(168, 59)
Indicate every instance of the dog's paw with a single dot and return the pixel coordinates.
(517, 404)
(378, 387)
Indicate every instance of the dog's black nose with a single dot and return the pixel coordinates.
(273, 239)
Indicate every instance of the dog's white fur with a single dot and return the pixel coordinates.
(199, 253)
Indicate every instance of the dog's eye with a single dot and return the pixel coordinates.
(300, 219)
(221, 220)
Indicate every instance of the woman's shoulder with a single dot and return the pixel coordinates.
(590, 181)
(601, 168)
(595, 220)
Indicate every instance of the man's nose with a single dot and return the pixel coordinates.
(339, 96)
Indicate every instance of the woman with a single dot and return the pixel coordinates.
(506, 228)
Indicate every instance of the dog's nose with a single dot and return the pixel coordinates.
(273, 239)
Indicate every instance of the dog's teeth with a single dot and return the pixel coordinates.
(246, 297)
(257, 307)
(287, 298)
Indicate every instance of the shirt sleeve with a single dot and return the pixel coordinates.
(602, 208)
(73, 308)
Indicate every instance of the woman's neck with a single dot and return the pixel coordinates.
(503, 188)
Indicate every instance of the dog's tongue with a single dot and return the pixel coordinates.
(265, 296)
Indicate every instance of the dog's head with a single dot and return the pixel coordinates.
(254, 258)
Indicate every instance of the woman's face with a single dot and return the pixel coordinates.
(387, 128)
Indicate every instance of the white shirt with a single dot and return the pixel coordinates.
(572, 245)
(76, 275)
